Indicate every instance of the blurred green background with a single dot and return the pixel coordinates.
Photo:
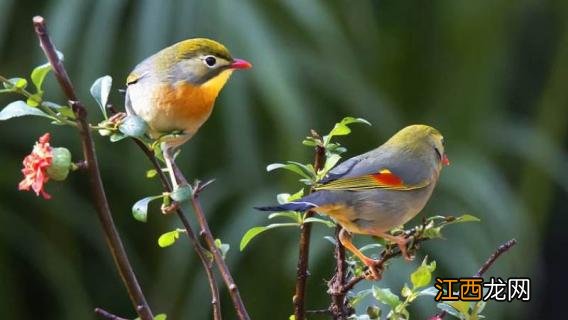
(491, 75)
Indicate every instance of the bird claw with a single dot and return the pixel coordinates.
(374, 271)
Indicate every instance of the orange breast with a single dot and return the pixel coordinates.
(183, 101)
(183, 106)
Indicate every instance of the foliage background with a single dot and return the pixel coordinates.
(491, 75)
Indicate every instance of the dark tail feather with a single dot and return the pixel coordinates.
(290, 206)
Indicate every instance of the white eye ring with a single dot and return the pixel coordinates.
(210, 61)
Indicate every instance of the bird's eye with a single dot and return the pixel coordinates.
(210, 61)
(438, 153)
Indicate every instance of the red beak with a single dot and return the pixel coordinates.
(445, 160)
(240, 64)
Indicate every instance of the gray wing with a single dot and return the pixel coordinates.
(410, 169)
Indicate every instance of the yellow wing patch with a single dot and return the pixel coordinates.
(384, 179)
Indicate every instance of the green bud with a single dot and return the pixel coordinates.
(133, 126)
(181, 194)
(60, 165)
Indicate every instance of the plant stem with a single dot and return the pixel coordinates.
(107, 315)
(199, 250)
(299, 299)
(339, 308)
(217, 257)
(101, 204)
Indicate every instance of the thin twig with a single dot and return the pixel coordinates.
(386, 255)
(242, 313)
(102, 207)
(199, 250)
(488, 263)
(299, 299)
(107, 315)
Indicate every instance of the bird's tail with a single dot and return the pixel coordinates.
(290, 206)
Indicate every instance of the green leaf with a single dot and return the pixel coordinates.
(161, 316)
(342, 128)
(100, 91)
(16, 83)
(433, 233)
(461, 306)
(301, 169)
(467, 218)
(370, 246)
(19, 109)
(422, 276)
(133, 126)
(140, 208)
(330, 162)
(359, 296)
(293, 215)
(223, 247)
(253, 232)
(38, 75)
(151, 173)
(282, 198)
(430, 291)
(181, 194)
(386, 296)
(115, 137)
(327, 223)
(168, 238)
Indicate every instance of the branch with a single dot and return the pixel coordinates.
(386, 255)
(107, 315)
(217, 257)
(101, 204)
(199, 250)
(488, 263)
(339, 308)
(304, 247)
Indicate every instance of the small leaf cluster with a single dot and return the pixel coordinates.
(308, 176)
(33, 102)
(397, 305)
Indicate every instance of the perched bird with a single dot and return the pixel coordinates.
(379, 190)
(175, 89)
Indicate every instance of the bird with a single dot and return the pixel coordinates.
(174, 90)
(374, 192)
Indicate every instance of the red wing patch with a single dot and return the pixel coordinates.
(387, 178)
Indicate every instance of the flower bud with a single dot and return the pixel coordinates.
(60, 165)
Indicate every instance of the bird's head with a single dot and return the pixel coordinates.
(199, 61)
(422, 141)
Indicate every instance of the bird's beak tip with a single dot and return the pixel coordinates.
(240, 64)
(445, 160)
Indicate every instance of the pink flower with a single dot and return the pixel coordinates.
(35, 167)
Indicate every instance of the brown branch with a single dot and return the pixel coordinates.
(217, 257)
(101, 204)
(339, 308)
(386, 255)
(488, 263)
(107, 315)
(199, 250)
(299, 299)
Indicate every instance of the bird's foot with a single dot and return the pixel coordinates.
(374, 271)
(402, 243)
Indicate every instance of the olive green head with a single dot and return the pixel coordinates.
(194, 60)
(421, 141)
